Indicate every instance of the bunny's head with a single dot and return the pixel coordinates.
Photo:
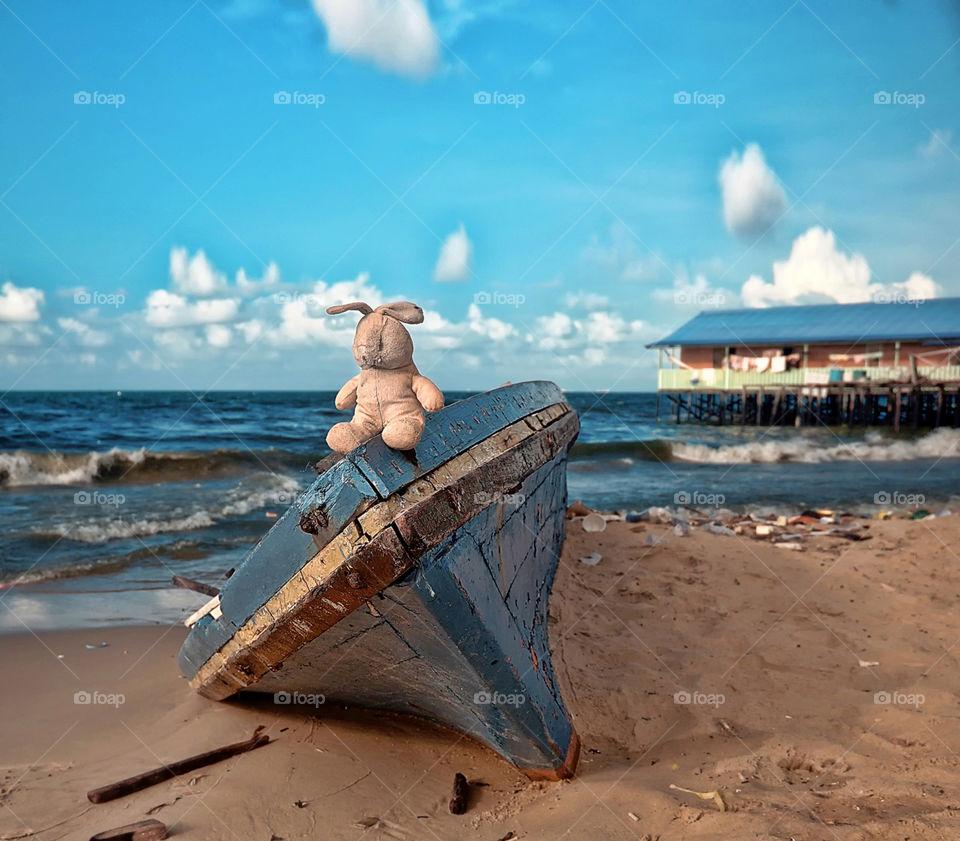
(381, 340)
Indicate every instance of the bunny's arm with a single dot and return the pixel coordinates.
(347, 396)
(430, 397)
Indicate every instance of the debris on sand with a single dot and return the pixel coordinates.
(714, 795)
(578, 509)
(777, 529)
(458, 802)
(594, 522)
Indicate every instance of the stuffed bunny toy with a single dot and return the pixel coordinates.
(389, 393)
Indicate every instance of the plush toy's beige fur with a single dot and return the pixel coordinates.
(389, 392)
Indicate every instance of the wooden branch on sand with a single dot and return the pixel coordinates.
(175, 769)
(196, 586)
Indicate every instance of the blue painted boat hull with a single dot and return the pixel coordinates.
(424, 589)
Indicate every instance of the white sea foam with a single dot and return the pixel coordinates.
(278, 491)
(941, 443)
(50, 468)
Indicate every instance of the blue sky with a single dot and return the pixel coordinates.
(636, 163)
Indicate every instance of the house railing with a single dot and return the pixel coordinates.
(721, 379)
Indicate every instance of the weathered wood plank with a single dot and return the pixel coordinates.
(345, 491)
(321, 594)
(339, 495)
(454, 429)
(440, 590)
(438, 652)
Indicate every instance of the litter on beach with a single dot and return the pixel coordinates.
(782, 530)
(594, 522)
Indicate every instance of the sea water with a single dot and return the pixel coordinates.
(105, 496)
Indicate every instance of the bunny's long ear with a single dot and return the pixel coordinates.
(402, 311)
(356, 305)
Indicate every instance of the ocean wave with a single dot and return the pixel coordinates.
(605, 455)
(941, 443)
(278, 491)
(176, 551)
(625, 451)
(40, 574)
(21, 467)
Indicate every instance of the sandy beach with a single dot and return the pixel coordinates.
(814, 690)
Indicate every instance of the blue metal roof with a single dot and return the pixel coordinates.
(934, 321)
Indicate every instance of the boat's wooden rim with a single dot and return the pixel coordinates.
(380, 546)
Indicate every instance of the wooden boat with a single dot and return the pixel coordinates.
(415, 582)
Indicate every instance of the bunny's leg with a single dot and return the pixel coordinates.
(344, 437)
(403, 433)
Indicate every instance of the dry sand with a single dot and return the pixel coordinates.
(782, 653)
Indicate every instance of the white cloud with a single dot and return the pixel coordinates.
(490, 328)
(250, 330)
(86, 335)
(696, 293)
(343, 291)
(23, 334)
(433, 322)
(752, 197)
(167, 309)
(553, 331)
(195, 275)
(184, 343)
(917, 287)
(558, 331)
(20, 303)
(218, 335)
(456, 256)
(817, 270)
(603, 328)
(304, 319)
(594, 356)
(247, 286)
(395, 35)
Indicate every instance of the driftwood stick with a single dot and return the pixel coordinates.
(174, 769)
(458, 803)
(198, 586)
(150, 830)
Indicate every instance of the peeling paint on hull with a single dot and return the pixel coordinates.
(431, 597)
